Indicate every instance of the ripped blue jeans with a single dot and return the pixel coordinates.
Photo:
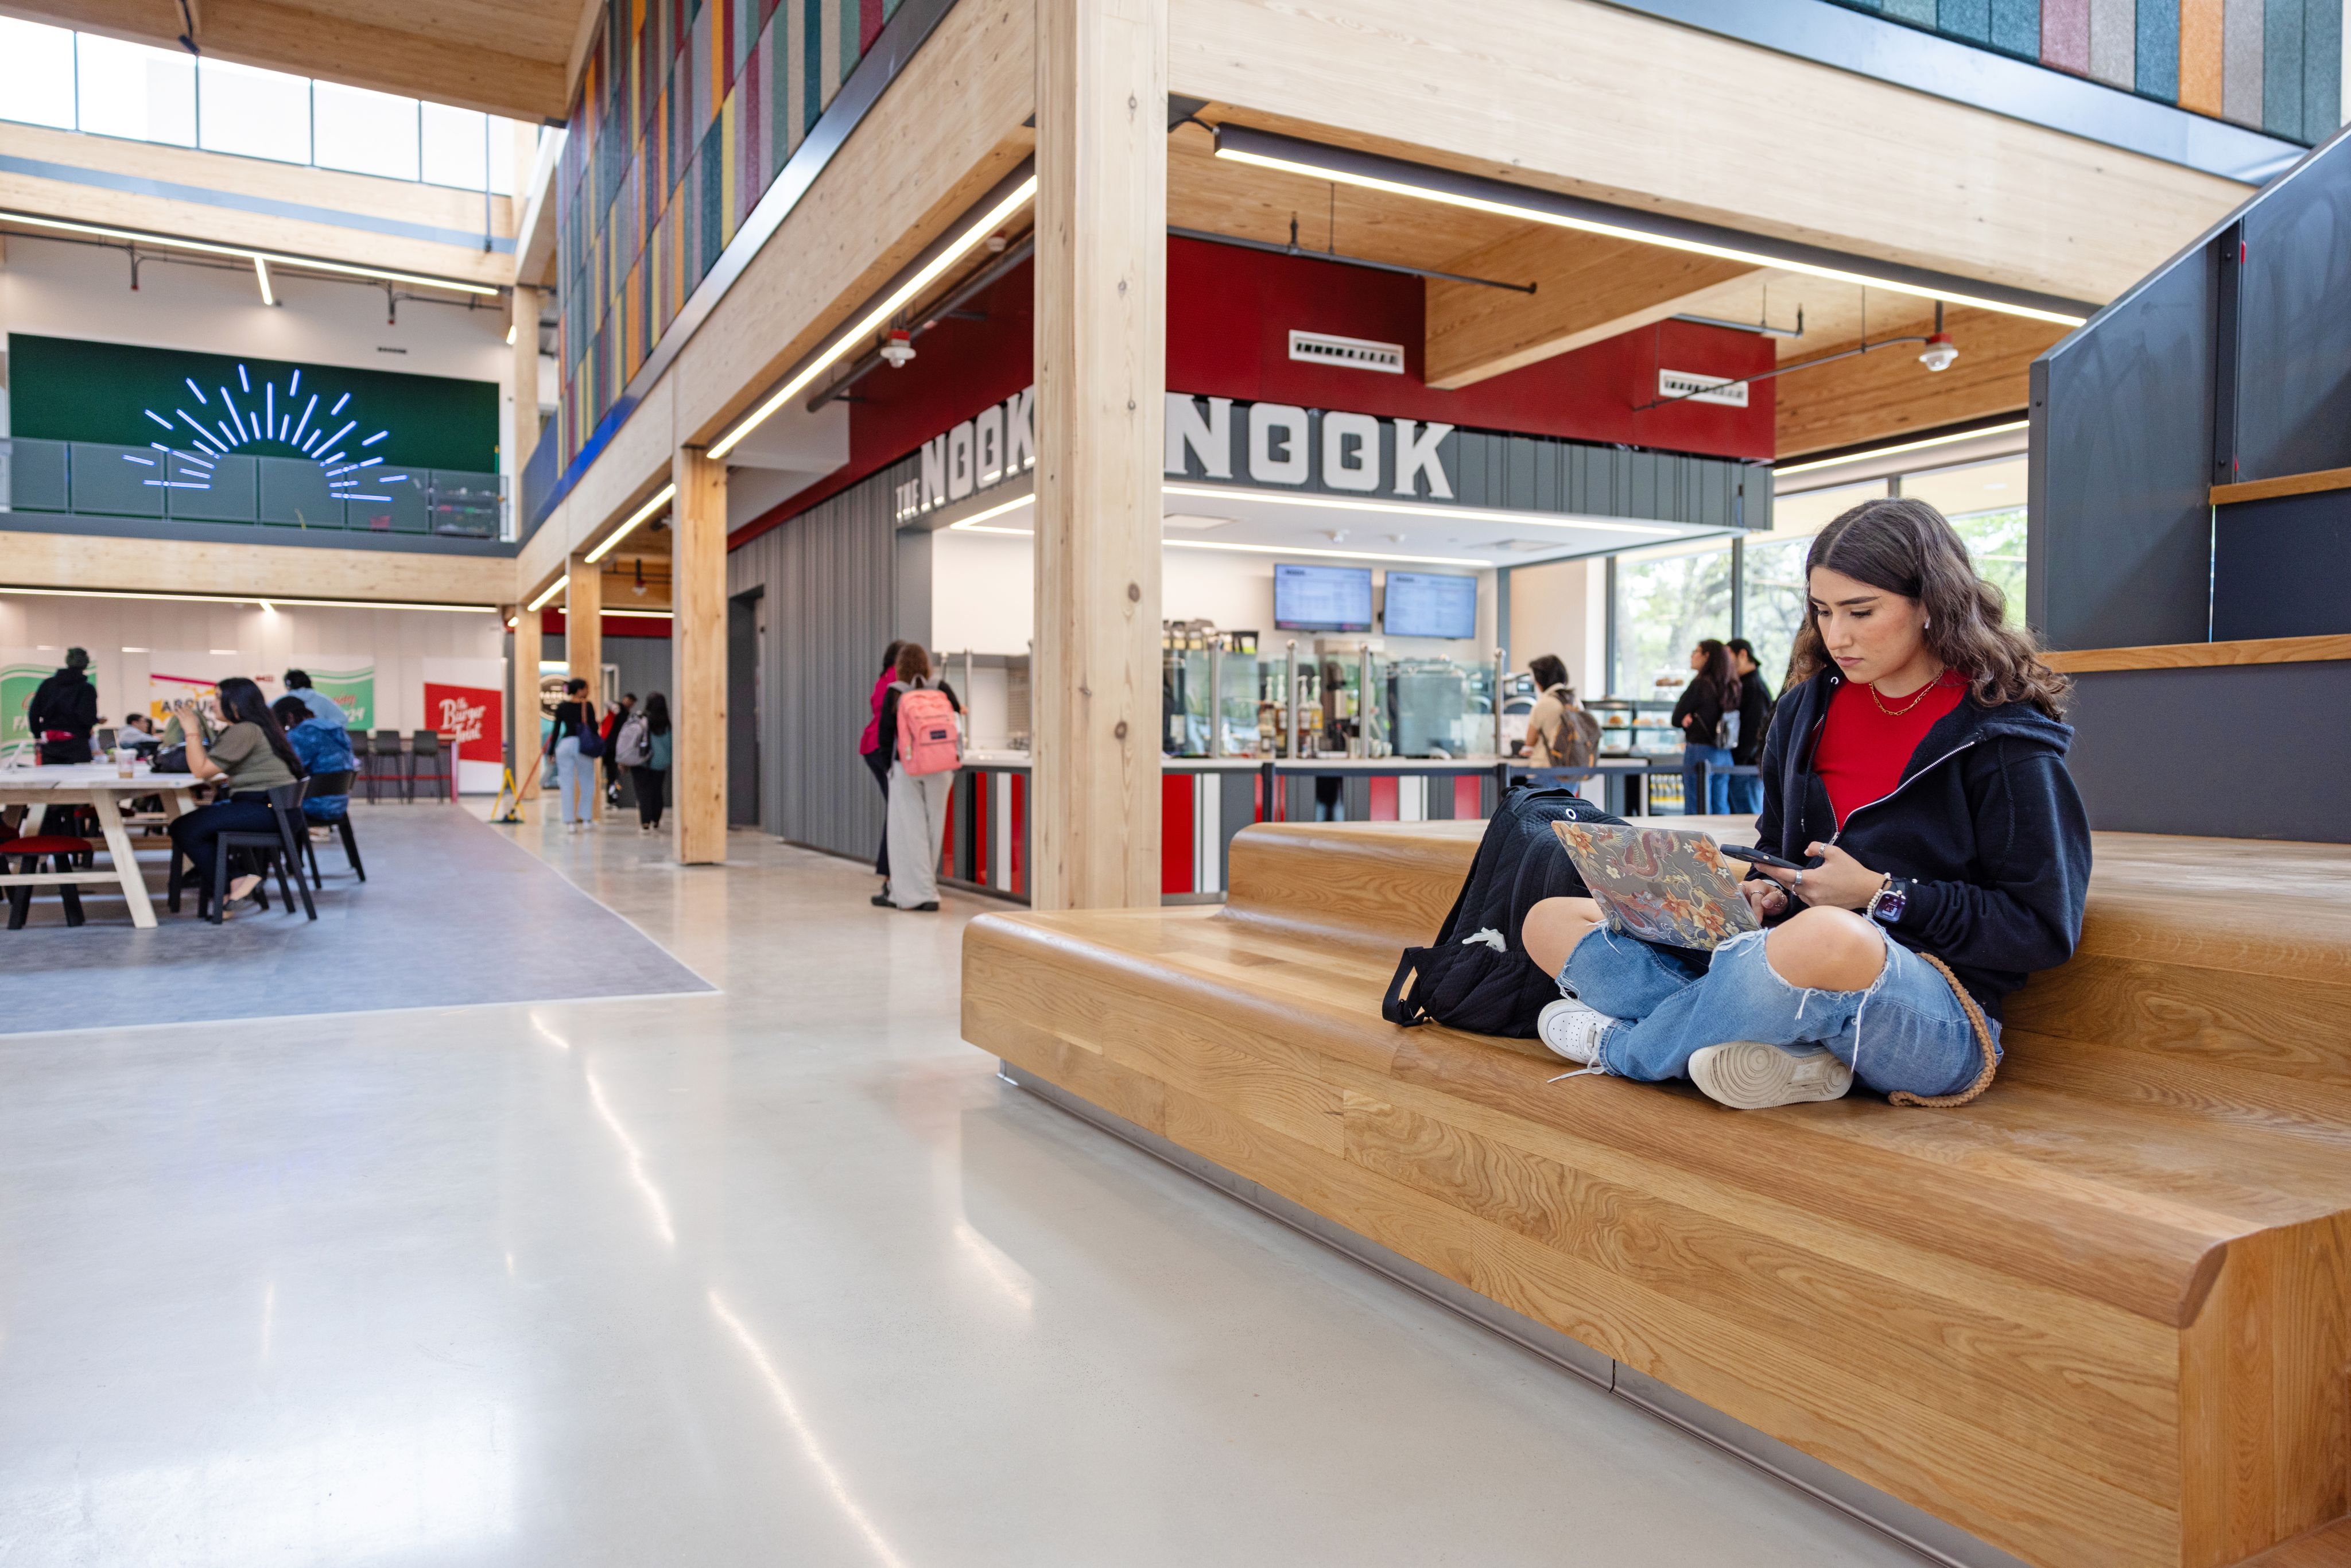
(1906, 1032)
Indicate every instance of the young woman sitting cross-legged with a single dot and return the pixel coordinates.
(1915, 768)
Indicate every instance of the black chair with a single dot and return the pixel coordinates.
(279, 852)
(391, 763)
(429, 762)
(332, 784)
(361, 753)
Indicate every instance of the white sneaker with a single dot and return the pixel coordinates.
(1747, 1076)
(1572, 1031)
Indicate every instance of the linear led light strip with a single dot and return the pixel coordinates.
(561, 580)
(1433, 514)
(879, 317)
(976, 524)
(661, 497)
(1899, 448)
(247, 253)
(272, 602)
(1672, 242)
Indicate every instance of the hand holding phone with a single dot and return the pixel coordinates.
(1765, 857)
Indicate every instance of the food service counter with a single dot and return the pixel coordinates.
(1205, 800)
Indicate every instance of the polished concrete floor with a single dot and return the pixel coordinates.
(781, 1274)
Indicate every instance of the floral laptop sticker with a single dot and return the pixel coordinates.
(1677, 889)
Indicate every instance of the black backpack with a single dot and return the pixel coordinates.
(1475, 976)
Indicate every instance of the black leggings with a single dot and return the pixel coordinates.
(196, 834)
(877, 762)
(649, 783)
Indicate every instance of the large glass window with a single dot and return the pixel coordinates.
(364, 132)
(80, 81)
(253, 112)
(37, 74)
(1666, 599)
(1772, 585)
(1985, 502)
(129, 90)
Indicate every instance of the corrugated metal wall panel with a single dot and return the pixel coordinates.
(829, 576)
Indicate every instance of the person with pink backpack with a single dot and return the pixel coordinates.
(919, 722)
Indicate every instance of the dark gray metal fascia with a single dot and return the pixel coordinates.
(196, 531)
(1633, 220)
(1984, 79)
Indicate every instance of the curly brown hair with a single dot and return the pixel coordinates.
(1908, 547)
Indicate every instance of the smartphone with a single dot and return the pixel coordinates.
(1765, 857)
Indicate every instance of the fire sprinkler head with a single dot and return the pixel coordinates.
(1939, 352)
(899, 348)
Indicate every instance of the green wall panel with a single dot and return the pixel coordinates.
(66, 389)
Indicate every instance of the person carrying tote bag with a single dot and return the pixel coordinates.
(919, 719)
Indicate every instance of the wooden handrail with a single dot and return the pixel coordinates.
(2285, 484)
(2189, 656)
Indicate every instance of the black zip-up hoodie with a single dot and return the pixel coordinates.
(1985, 822)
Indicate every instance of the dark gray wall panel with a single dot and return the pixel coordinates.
(829, 578)
(2243, 751)
(2122, 446)
(2293, 356)
(2280, 566)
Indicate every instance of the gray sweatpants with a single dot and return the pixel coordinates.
(918, 824)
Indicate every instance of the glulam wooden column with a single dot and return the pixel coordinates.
(523, 727)
(523, 375)
(583, 647)
(698, 658)
(1101, 349)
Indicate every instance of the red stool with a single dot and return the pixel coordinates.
(62, 852)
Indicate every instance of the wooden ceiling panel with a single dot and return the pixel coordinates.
(502, 57)
(1222, 196)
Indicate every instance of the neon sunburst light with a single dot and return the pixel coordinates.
(222, 428)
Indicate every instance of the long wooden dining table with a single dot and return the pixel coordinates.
(101, 787)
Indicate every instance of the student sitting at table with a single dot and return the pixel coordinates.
(138, 734)
(249, 757)
(323, 748)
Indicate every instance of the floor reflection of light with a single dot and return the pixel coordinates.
(547, 1034)
(800, 1429)
(1002, 1272)
(636, 1161)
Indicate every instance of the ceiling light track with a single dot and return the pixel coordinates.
(1523, 203)
(1294, 248)
(274, 601)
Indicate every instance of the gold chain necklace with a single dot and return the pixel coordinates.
(1906, 707)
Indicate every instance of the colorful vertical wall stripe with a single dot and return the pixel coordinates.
(2275, 65)
(687, 112)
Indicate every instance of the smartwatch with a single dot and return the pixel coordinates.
(1886, 904)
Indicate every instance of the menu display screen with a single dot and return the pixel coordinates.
(1431, 605)
(1321, 598)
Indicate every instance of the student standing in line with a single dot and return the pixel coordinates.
(1917, 769)
(643, 749)
(876, 754)
(925, 750)
(575, 776)
(1713, 692)
(250, 758)
(611, 734)
(1755, 702)
(1560, 733)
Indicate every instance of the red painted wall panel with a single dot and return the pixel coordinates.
(1229, 315)
(1175, 843)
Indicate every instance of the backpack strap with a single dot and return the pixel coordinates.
(1395, 1007)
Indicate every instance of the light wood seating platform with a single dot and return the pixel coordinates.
(2101, 1317)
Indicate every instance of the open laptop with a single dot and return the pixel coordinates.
(1675, 888)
